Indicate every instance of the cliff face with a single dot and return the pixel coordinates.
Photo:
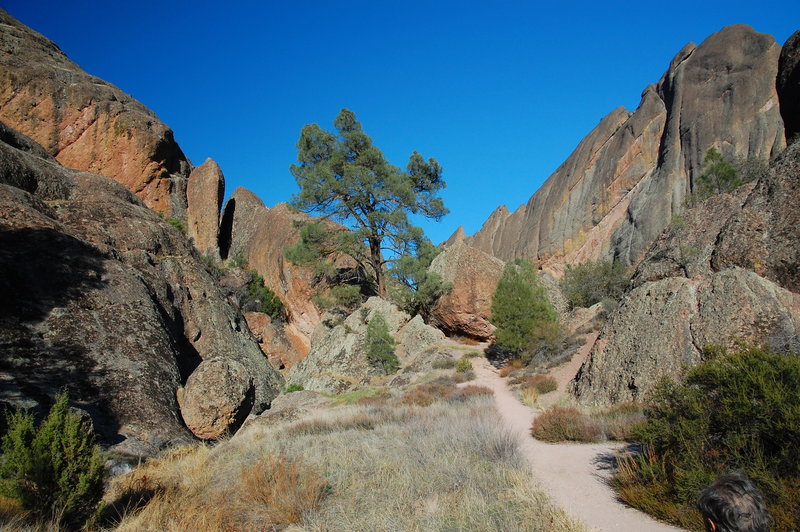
(86, 123)
(103, 297)
(622, 184)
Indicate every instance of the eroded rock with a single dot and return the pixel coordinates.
(204, 195)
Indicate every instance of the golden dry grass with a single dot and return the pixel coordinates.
(393, 466)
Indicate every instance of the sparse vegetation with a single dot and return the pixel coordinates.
(735, 411)
(463, 365)
(355, 467)
(177, 224)
(527, 325)
(594, 281)
(379, 345)
(558, 424)
(294, 387)
(263, 297)
(54, 470)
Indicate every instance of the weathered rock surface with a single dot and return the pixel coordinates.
(283, 344)
(623, 183)
(103, 297)
(662, 326)
(727, 270)
(204, 194)
(86, 123)
(337, 362)
(217, 398)
(466, 308)
(788, 84)
(259, 235)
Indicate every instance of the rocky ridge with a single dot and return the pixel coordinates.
(627, 178)
(87, 123)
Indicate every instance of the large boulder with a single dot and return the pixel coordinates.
(204, 194)
(474, 275)
(217, 398)
(87, 123)
(788, 84)
(337, 361)
(661, 327)
(103, 297)
(626, 179)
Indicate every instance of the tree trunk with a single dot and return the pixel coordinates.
(376, 259)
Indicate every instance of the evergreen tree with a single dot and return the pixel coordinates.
(380, 345)
(521, 310)
(55, 468)
(345, 178)
(718, 176)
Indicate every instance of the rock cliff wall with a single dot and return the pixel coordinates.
(87, 123)
(623, 183)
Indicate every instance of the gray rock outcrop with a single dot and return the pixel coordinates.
(337, 362)
(103, 297)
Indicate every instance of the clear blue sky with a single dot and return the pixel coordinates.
(500, 92)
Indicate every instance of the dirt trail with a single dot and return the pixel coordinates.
(574, 475)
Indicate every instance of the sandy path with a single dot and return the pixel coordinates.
(574, 475)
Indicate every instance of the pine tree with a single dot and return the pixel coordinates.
(380, 345)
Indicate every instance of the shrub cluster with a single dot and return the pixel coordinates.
(734, 411)
(594, 281)
(558, 424)
(263, 297)
(380, 345)
(527, 324)
(52, 469)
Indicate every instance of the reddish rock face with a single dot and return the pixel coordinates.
(283, 344)
(626, 179)
(260, 235)
(204, 194)
(86, 123)
(466, 308)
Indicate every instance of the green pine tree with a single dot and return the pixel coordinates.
(380, 345)
(521, 311)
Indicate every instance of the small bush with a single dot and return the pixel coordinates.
(444, 363)
(266, 300)
(592, 282)
(294, 388)
(380, 345)
(53, 469)
(177, 224)
(542, 383)
(346, 295)
(512, 365)
(463, 365)
(564, 424)
(464, 377)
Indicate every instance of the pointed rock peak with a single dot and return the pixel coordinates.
(457, 237)
(204, 194)
(244, 196)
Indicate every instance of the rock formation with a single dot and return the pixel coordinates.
(466, 308)
(86, 123)
(282, 343)
(726, 271)
(788, 85)
(337, 362)
(626, 179)
(103, 297)
(204, 195)
(259, 235)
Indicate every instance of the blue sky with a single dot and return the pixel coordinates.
(500, 93)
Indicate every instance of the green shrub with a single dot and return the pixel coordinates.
(594, 281)
(521, 310)
(734, 411)
(294, 388)
(346, 295)
(718, 176)
(177, 224)
(53, 469)
(463, 365)
(444, 363)
(380, 345)
(269, 302)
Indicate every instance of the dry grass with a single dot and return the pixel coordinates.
(13, 518)
(190, 489)
(511, 365)
(558, 423)
(448, 466)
